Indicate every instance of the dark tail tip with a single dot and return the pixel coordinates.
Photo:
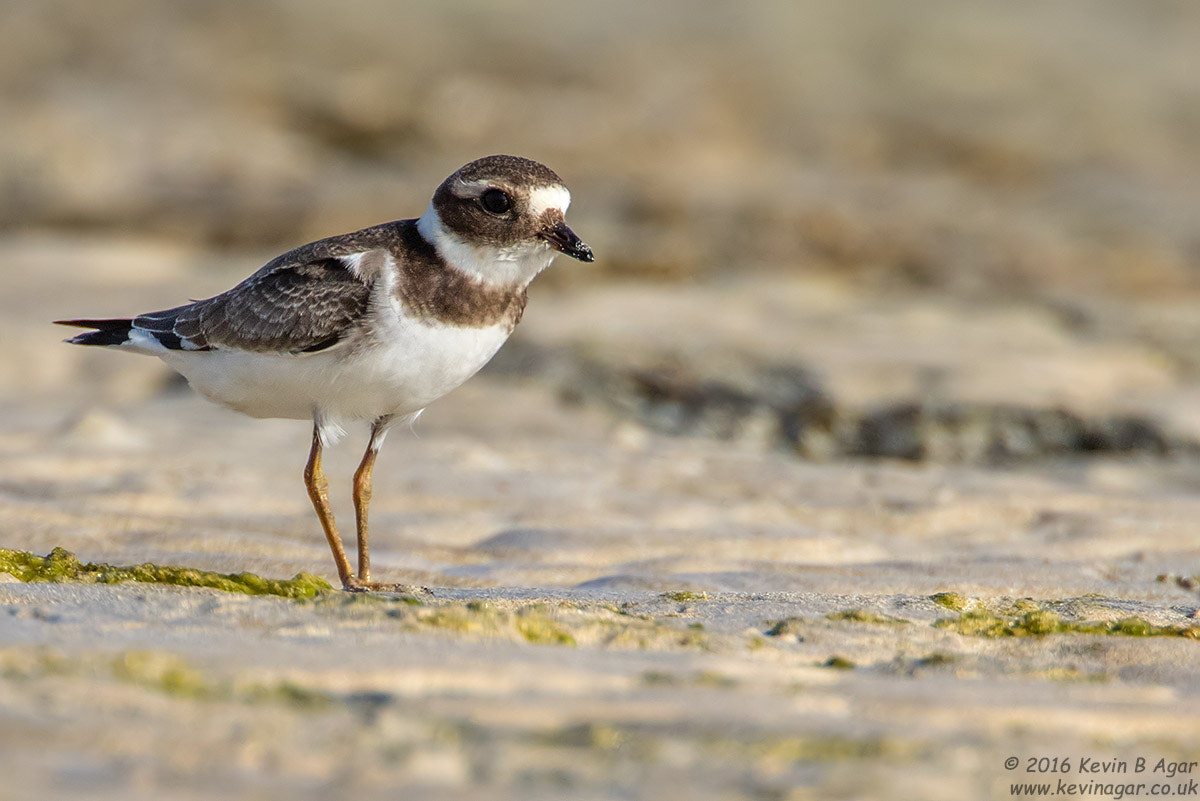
(108, 332)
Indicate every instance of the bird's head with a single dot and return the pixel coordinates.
(502, 219)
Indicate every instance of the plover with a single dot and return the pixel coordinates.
(370, 326)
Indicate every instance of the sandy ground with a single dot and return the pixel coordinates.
(517, 508)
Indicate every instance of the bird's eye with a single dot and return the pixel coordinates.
(496, 201)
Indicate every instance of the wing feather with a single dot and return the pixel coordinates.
(293, 309)
(296, 307)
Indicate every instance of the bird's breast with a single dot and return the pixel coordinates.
(412, 361)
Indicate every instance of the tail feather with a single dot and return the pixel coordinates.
(108, 332)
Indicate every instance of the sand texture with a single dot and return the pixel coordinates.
(865, 458)
(615, 611)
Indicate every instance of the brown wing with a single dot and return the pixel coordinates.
(305, 300)
(283, 308)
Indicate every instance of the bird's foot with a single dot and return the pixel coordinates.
(358, 585)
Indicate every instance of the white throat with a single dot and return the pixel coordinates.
(515, 265)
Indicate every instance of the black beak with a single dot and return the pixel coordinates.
(563, 239)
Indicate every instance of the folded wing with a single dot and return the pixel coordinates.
(293, 308)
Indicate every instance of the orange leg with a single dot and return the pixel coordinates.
(362, 497)
(318, 493)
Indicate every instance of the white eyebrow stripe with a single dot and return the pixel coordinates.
(548, 197)
(473, 188)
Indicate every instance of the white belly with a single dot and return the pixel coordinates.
(402, 367)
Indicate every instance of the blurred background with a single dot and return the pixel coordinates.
(1020, 149)
(940, 201)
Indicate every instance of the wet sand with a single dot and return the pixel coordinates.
(615, 612)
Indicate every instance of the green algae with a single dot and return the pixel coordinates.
(163, 673)
(691, 638)
(951, 600)
(175, 677)
(535, 623)
(58, 565)
(1137, 627)
(1020, 607)
(1068, 675)
(1025, 617)
(167, 674)
(702, 678)
(640, 635)
(866, 616)
(658, 678)
(63, 567)
(838, 663)
(786, 626)
(624, 609)
(714, 679)
(1042, 622)
(540, 629)
(287, 693)
(981, 623)
(936, 659)
(685, 596)
(800, 749)
(25, 663)
(459, 620)
(771, 753)
(538, 623)
(599, 736)
(543, 623)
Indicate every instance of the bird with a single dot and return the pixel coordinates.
(370, 326)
